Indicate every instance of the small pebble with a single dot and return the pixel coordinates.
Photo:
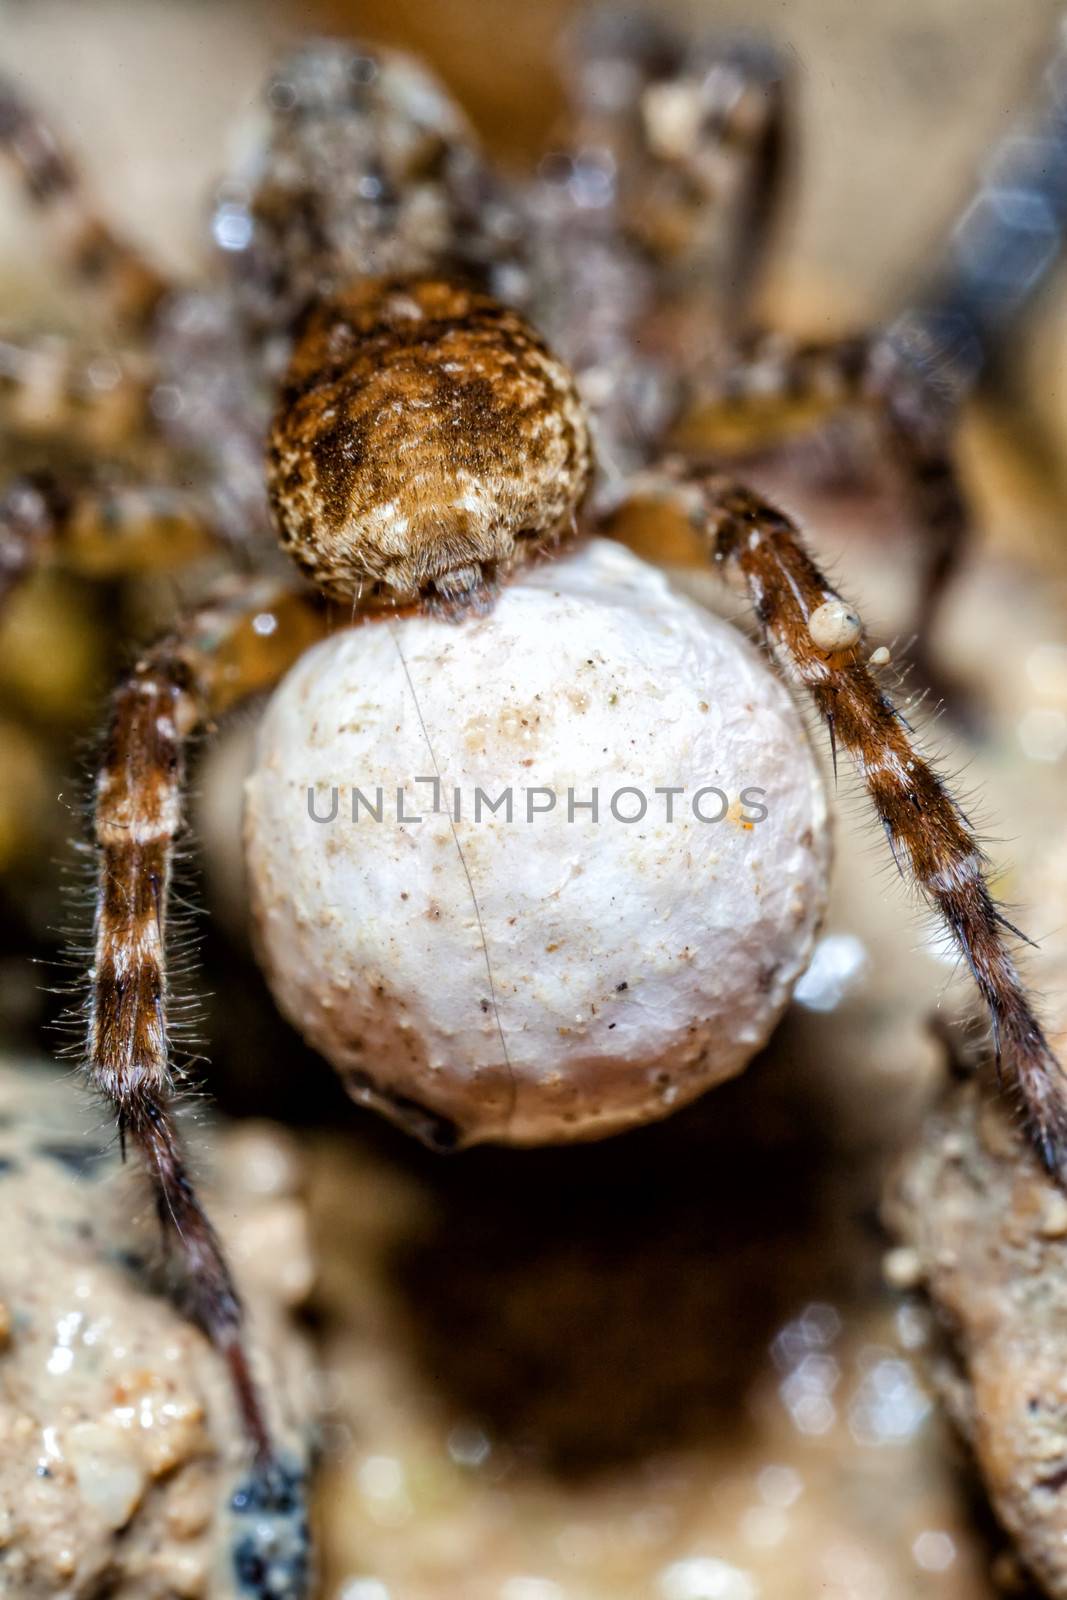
(902, 1269)
(110, 1476)
(835, 626)
(1054, 1217)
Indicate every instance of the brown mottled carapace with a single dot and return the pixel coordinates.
(426, 441)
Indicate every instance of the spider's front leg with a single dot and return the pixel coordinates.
(54, 391)
(105, 529)
(817, 640)
(129, 285)
(776, 385)
(702, 130)
(98, 522)
(223, 653)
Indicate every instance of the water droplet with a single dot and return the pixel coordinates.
(706, 1578)
(934, 1551)
(837, 963)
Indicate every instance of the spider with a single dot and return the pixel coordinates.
(432, 362)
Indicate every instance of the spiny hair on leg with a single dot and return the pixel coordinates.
(930, 837)
(138, 817)
(69, 970)
(215, 658)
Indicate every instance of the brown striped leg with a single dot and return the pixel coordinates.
(53, 390)
(129, 285)
(931, 841)
(777, 386)
(226, 651)
(104, 530)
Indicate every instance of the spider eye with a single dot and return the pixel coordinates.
(426, 441)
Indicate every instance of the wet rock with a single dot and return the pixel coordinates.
(122, 1468)
(988, 1230)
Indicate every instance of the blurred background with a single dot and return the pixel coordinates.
(896, 102)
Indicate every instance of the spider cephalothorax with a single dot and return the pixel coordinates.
(385, 299)
(426, 440)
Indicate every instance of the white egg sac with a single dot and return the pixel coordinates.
(549, 974)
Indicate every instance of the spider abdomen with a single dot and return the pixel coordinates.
(425, 441)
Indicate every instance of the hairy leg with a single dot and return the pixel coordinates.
(90, 249)
(52, 390)
(754, 136)
(101, 529)
(818, 641)
(223, 653)
(697, 139)
(778, 386)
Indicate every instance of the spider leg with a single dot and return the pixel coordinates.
(932, 843)
(755, 138)
(52, 390)
(776, 386)
(222, 653)
(698, 140)
(130, 286)
(100, 528)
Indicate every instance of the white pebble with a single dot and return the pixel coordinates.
(110, 1475)
(835, 626)
(902, 1268)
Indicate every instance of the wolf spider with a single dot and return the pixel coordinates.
(376, 292)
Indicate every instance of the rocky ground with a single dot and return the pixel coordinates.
(122, 1470)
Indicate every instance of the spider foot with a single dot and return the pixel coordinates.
(272, 1541)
